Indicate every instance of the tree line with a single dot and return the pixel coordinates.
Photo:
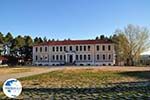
(129, 43)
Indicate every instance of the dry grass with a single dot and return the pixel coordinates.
(13, 70)
(87, 77)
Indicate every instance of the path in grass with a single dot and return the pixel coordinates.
(18, 72)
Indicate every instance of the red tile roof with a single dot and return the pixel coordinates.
(74, 42)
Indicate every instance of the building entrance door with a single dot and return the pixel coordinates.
(70, 58)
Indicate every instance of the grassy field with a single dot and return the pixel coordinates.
(85, 83)
(83, 78)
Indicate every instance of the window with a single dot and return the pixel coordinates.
(97, 57)
(80, 48)
(60, 48)
(40, 49)
(57, 57)
(80, 57)
(64, 57)
(36, 57)
(103, 57)
(45, 49)
(46, 57)
(53, 49)
(103, 48)
(84, 48)
(70, 48)
(89, 57)
(76, 48)
(57, 48)
(64, 48)
(77, 57)
(84, 57)
(41, 58)
(36, 49)
(89, 48)
(53, 57)
(109, 57)
(109, 47)
(60, 57)
(97, 47)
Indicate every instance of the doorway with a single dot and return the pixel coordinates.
(70, 58)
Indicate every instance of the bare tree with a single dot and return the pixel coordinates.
(131, 42)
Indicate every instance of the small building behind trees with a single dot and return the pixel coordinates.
(145, 59)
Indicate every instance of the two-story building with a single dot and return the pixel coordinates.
(74, 52)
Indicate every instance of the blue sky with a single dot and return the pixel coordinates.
(75, 19)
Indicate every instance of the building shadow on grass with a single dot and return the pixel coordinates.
(109, 91)
(137, 74)
(115, 87)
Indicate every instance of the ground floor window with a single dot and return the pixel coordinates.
(60, 57)
(64, 57)
(76, 57)
(98, 57)
(103, 57)
(53, 57)
(80, 57)
(89, 57)
(84, 57)
(36, 57)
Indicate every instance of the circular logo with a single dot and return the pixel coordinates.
(12, 88)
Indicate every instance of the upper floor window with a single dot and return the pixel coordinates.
(40, 49)
(53, 49)
(60, 48)
(89, 48)
(76, 48)
(64, 48)
(70, 48)
(45, 49)
(103, 48)
(36, 49)
(80, 48)
(109, 47)
(57, 48)
(97, 47)
(84, 48)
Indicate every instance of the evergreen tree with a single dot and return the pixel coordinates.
(19, 41)
(8, 37)
(1, 37)
(97, 38)
(28, 41)
(36, 40)
(40, 40)
(45, 39)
